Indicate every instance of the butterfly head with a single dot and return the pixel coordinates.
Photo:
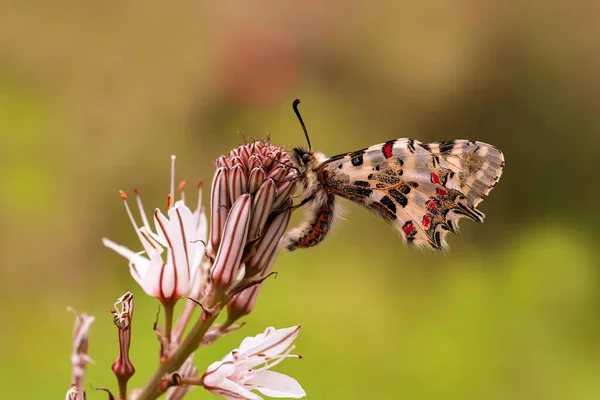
(303, 158)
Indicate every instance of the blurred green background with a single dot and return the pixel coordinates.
(95, 96)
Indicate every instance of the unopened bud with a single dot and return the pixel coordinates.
(123, 367)
(79, 354)
(242, 303)
(235, 233)
(268, 247)
(219, 204)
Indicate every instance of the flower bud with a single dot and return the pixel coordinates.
(123, 367)
(79, 354)
(251, 189)
(227, 260)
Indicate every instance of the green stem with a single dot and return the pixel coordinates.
(153, 388)
(168, 323)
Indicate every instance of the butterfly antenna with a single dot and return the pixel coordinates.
(295, 107)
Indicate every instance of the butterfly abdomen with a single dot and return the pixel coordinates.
(317, 226)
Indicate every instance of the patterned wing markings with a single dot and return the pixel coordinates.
(422, 188)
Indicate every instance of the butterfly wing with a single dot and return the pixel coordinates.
(422, 188)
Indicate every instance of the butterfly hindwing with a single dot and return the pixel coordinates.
(422, 188)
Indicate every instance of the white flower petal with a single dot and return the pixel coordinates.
(215, 379)
(151, 282)
(231, 390)
(138, 263)
(274, 384)
(172, 231)
(274, 342)
(218, 371)
(182, 226)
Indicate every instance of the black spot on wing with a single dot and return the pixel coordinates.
(358, 191)
(425, 146)
(382, 210)
(356, 157)
(362, 183)
(446, 146)
(389, 203)
(437, 243)
(335, 158)
(411, 145)
(404, 189)
(399, 197)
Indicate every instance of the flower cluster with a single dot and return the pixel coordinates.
(250, 204)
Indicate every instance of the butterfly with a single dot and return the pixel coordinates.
(422, 189)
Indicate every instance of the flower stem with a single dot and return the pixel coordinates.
(153, 388)
(168, 323)
(123, 388)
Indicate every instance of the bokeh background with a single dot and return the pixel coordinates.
(96, 95)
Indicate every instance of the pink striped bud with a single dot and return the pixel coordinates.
(235, 233)
(250, 198)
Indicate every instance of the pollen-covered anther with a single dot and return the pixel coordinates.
(181, 186)
(123, 194)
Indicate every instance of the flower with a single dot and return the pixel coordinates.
(247, 368)
(250, 209)
(182, 234)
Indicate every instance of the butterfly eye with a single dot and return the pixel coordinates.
(307, 157)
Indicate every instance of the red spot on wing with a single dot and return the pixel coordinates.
(426, 221)
(408, 228)
(387, 150)
(442, 192)
(435, 178)
(432, 204)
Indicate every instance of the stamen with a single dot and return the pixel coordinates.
(277, 359)
(181, 187)
(172, 193)
(138, 197)
(124, 197)
(137, 230)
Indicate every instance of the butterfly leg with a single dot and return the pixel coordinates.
(303, 202)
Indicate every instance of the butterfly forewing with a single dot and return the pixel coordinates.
(422, 188)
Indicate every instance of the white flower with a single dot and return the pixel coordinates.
(247, 368)
(183, 235)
